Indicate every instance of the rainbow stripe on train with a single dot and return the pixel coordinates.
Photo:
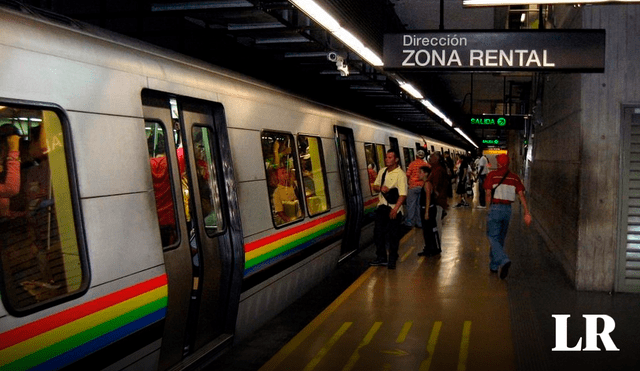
(60, 339)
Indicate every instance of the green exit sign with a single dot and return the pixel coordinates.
(490, 141)
(500, 121)
(507, 122)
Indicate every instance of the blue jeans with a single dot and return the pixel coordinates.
(497, 226)
(413, 207)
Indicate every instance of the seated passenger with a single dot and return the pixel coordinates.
(285, 199)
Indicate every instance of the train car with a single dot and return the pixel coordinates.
(154, 209)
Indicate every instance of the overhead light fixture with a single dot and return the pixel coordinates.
(411, 90)
(466, 137)
(427, 103)
(539, 2)
(324, 19)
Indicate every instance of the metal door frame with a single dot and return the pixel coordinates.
(352, 192)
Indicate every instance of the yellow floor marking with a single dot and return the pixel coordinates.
(431, 346)
(367, 339)
(403, 333)
(327, 346)
(291, 346)
(464, 346)
(406, 255)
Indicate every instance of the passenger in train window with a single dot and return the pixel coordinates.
(282, 176)
(502, 186)
(392, 184)
(161, 184)
(40, 254)
(9, 167)
(285, 200)
(415, 186)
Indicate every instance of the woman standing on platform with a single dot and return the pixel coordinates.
(429, 213)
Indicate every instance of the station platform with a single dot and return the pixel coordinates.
(447, 312)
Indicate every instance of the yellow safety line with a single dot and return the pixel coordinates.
(328, 345)
(367, 339)
(406, 255)
(464, 346)
(403, 333)
(431, 346)
(292, 345)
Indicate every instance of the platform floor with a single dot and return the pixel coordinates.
(443, 313)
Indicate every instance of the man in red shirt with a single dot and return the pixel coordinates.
(502, 186)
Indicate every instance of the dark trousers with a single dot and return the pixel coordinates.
(430, 232)
(481, 190)
(387, 231)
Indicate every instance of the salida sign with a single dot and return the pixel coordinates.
(559, 50)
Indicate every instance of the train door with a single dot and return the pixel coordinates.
(348, 167)
(203, 248)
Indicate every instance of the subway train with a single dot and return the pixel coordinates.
(155, 209)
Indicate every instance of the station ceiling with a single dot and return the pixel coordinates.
(275, 42)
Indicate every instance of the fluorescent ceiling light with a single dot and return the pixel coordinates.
(411, 90)
(466, 137)
(324, 19)
(427, 103)
(538, 2)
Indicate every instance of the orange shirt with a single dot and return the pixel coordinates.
(413, 173)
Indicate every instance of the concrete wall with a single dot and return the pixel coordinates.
(575, 173)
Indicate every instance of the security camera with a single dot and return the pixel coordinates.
(332, 56)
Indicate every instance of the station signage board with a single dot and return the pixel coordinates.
(507, 122)
(536, 50)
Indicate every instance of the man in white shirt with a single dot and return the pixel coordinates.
(392, 185)
(483, 170)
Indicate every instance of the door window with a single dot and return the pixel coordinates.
(202, 140)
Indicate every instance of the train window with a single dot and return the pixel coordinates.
(314, 179)
(278, 150)
(373, 166)
(408, 155)
(42, 261)
(207, 180)
(162, 184)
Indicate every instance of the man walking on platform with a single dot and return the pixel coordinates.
(502, 186)
(415, 187)
(392, 185)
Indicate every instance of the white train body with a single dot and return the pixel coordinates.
(97, 279)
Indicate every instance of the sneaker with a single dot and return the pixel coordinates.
(378, 262)
(481, 207)
(391, 265)
(504, 271)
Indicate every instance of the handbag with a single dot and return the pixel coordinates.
(392, 195)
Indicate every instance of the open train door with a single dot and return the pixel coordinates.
(202, 242)
(348, 168)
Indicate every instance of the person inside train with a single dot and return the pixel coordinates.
(9, 167)
(392, 185)
(161, 178)
(285, 200)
